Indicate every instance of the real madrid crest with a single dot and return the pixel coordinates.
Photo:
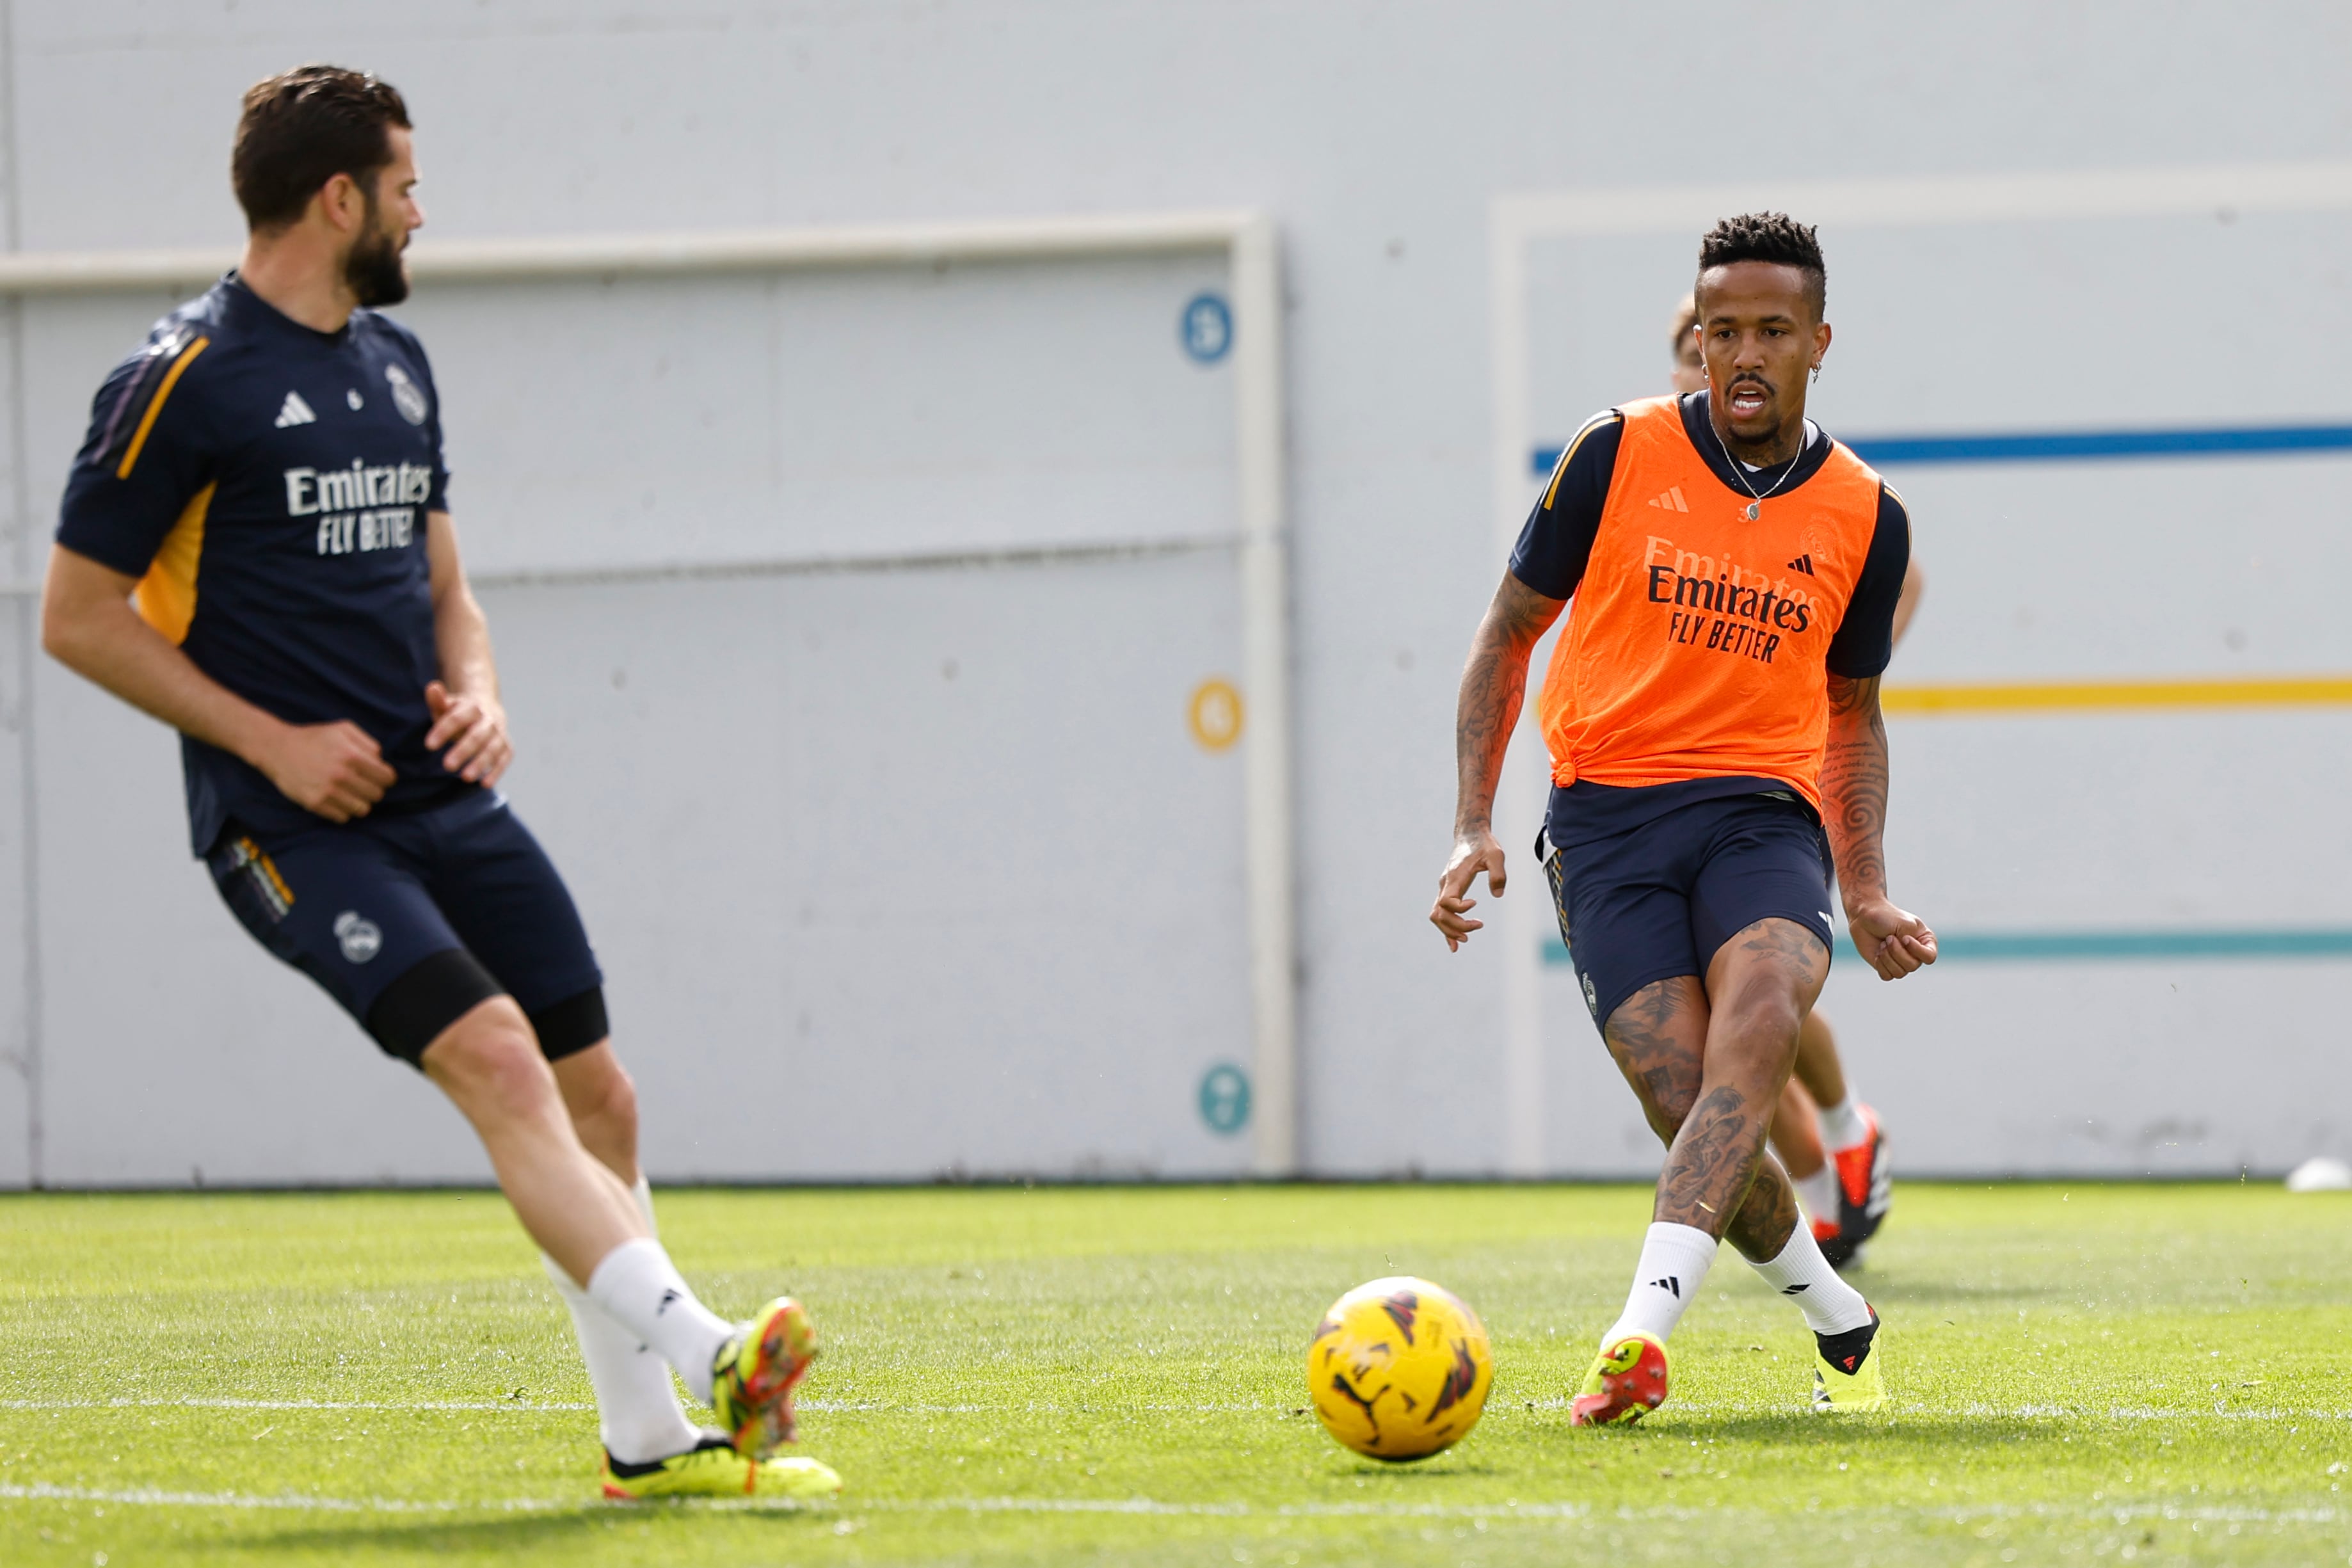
(406, 395)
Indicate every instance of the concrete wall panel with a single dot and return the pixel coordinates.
(819, 907)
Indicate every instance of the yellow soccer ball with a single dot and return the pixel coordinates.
(1399, 1369)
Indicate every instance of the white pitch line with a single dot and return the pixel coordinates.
(2148, 1413)
(192, 1404)
(858, 1406)
(1032, 1408)
(868, 1406)
(2120, 1513)
(152, 1498)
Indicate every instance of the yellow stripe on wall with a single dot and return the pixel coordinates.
(2077, 696)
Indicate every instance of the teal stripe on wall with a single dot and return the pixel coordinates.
(2111, 946)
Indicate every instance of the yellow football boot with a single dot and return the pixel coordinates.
(754, 1373)
(713, 1468)
(1846, 1378)
(1628, 1381)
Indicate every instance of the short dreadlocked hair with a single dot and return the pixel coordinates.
(1768, 236)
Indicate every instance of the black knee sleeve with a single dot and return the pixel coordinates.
(411, 1012)
(572, 1025)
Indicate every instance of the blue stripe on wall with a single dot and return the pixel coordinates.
(2110, 946)
(2076, 446)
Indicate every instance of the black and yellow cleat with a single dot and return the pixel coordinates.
(713, 1468)
(754, 1373)
(1847, 1370)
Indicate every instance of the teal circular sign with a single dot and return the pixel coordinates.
(1225, 1098)
(1206, 328)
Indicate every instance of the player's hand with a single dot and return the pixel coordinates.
(336, 771)
(1472, 852)
(475, 730)
(1893, 942)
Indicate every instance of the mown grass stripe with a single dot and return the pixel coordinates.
(195, 1404)
(1962, 1514)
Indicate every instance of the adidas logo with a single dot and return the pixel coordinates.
(1671, 1283)
(1796, 1289)
(1803, 564)
(295, 412)
(1672, 500)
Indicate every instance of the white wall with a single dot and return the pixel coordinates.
(768, 903)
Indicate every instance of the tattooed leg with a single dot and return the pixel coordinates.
(1658, 1039)
(1709, 1074)
(1718, 1178)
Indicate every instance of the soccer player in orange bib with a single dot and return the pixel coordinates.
(1830, 1142)
(1712, 714)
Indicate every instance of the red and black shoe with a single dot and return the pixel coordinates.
(1865, 1191)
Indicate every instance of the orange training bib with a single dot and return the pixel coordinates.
(1696, 641)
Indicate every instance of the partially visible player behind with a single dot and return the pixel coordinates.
(255, 548)
(1832, 1144)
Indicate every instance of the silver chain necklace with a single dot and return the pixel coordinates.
(1755, 501)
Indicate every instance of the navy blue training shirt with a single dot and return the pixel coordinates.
(268, 484)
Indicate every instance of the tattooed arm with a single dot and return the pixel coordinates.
(1854, 797)
(1494, 690)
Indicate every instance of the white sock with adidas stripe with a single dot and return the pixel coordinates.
(1801, 1274)
(637, 1408)
(1674, 1261)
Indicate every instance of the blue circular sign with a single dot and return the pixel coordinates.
(1207, 327)
(1225, 1098)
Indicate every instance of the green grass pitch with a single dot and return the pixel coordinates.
(1113, 1375)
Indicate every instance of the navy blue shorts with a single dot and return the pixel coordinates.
(1649, 883)
(410, 921)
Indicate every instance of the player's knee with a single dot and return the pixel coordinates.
(608, 1109)
(1773, 1014)
(489, 1061)
(1666, 1101)
(1667, 1113)
(1767, 1019)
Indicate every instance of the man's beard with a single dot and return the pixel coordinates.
(373, 268)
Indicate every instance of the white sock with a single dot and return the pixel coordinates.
(636, 1407)
(1674, 1261)
(1819, 1193)
(1843, 1126)
(1801, 1274)
(642, 1290)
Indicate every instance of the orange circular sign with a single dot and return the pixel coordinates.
(1215, 714)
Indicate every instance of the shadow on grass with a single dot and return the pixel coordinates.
(1928, 1288)
(1414, 1470)
(1803, 1429)
(516, 1533)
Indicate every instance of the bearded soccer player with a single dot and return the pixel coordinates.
(1711, 705)
(256, 547)
(1829, 1142)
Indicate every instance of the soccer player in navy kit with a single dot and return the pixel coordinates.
(256, 547)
